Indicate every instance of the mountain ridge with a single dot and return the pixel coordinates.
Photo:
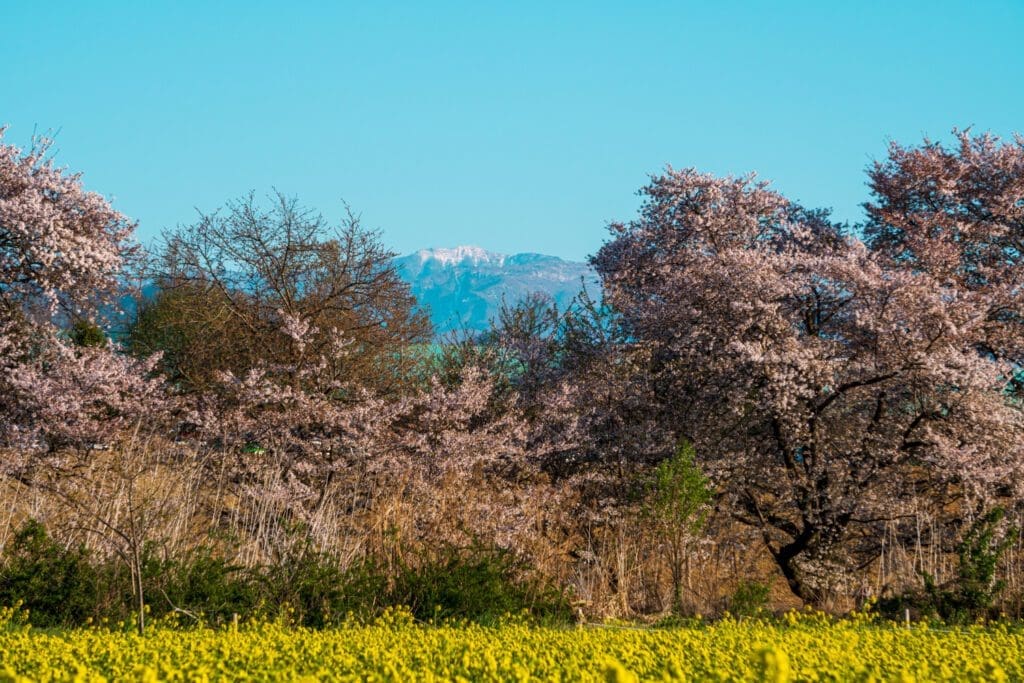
(464, 286)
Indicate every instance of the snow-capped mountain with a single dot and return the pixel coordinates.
(464, 286)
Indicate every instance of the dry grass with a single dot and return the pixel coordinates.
(177, 498)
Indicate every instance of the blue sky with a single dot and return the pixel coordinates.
(518, 127)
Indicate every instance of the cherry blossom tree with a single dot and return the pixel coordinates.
(958, 214)
(61, 252)
(822, 383)
(61, 247)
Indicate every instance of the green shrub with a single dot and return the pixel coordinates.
(201, 585)
(676, 510)
(750, 599)
(87, 334)
(68, 587)
(58, 586)
(479, 585)
(973, 592)
(319, 592)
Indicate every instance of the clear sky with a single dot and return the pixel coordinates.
(517, 127)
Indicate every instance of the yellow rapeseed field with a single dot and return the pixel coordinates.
(807, 648)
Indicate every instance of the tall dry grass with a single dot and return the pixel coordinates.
(174, 498)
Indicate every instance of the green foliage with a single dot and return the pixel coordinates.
(676, 506)
(679, 493)
(86, 334)
(190, 351)
(56, 585)
(67, 587)
(750, 599)
(973, 592)
(60, 586)
(481, 585)
(319, 592)
(202, 585)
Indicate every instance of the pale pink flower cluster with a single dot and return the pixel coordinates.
(61, 252)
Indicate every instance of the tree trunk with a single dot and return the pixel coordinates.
(812, 543)
(787, 559)
(141, 599)
(677, 551)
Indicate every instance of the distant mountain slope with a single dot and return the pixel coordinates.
(464, 286)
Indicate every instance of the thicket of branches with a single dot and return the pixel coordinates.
(767, 408)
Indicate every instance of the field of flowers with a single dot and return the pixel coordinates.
(394, 649)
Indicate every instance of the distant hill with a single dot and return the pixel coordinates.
(464, 286)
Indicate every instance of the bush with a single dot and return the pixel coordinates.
(973, 592)
(67, 587)
(201, 585)
(750, 599)
(87, 334)
(676, 508)
(479, 585)
(58, 586)
(319, 592)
